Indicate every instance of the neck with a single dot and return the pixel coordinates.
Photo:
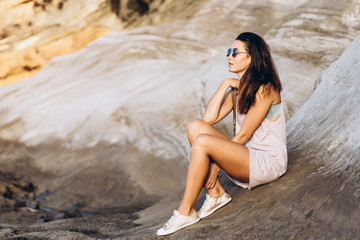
(240, 74)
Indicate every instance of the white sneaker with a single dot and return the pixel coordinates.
(212, 204)
(177, 222)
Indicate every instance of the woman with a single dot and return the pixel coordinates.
(256, 154)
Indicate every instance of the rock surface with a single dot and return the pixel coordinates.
(317, 198)
(93, 133)
(33, 32)
(307, 40)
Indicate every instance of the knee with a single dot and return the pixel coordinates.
(200, 141)
(200, 147)
(194, 126)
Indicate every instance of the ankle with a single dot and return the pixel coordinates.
(186, 211)
(216, 192)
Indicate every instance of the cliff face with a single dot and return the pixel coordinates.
(102, 131)
(33, 32)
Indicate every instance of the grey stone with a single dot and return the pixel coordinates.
(94, 143)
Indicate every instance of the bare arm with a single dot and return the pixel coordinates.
(255, 116)
(220, 104)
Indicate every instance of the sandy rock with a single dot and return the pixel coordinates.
(104, 128)
(36, 31)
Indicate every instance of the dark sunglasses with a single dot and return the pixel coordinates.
(233, 52)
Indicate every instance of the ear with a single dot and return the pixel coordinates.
(249, 59)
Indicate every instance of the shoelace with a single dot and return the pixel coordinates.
(206, 203)
(169, 222)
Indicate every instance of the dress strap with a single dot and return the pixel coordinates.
(234, 109)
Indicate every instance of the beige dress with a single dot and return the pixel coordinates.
(268, 153)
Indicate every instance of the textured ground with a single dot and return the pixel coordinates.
(98, 135)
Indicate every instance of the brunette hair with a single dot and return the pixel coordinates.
(261, 71)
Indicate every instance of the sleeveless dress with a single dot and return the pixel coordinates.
(267, 149)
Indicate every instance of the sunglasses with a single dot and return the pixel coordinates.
(233, 52)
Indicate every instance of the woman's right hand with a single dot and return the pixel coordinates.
(221, 102)
(232, 82)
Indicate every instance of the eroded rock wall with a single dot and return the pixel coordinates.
(33, 32)
(115, 113)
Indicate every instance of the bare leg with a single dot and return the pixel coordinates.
(197, 127)
(231, 156)
(197, 172)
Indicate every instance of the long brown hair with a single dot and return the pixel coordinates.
(261, 71)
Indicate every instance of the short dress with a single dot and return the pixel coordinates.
(267, 149)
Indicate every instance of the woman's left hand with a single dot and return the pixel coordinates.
(212, 178)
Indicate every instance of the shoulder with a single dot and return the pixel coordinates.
(267, 92)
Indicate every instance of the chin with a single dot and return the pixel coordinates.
(232, 71)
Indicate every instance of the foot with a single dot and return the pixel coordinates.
(212, 204)
(177, 222)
